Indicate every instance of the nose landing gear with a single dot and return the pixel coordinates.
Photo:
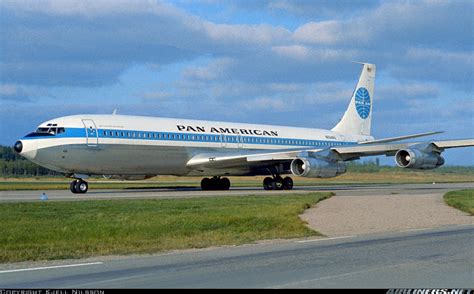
(79, 187)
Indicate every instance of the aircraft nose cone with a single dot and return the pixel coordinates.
(18, 146)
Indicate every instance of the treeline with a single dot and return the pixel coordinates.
(373, 166)
(13, 165)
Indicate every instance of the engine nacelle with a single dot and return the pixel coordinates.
(316, 168)
(418, 159)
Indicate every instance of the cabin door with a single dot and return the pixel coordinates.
(92, 135)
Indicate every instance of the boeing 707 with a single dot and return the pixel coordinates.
(138, 147)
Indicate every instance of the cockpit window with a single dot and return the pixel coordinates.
(51, 130)
(47, 131)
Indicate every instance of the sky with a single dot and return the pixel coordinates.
(273, 62)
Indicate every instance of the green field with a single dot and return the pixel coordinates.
(462, 199)
(73, 229)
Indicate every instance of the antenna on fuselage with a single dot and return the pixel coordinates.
(114, 112)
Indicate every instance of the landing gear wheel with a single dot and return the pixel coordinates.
(288, 183)
(215, 183)
(268, 184)
(278, 183)
(224, 184)
(206, 184)
(72, 187)
(81, 187)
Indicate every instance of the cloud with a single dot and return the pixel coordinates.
(439, 23)
(403, 91)
(15, 93)
(256, 61)
(89, 7)
(91, 44)
(435, 64)
(330, 32)
(215, 69)
(307, 8)
(253, 34)
(155, 96)
(267, 103)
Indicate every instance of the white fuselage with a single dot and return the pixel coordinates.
(137, 145)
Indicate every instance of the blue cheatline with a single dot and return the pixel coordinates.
(203, 137)
(362, 102)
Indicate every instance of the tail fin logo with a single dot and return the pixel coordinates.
(362, 102)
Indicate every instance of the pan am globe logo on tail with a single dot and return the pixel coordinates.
(362, 102)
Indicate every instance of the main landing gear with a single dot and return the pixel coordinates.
(276, 182)
(215, 183)
(79, 186)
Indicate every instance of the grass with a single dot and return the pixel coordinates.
(381, 177)
(462, 200)
(77, 229)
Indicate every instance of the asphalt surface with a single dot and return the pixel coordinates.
(340, 190)
(440, 258)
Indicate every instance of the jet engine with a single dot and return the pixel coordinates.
(316, 168)
(418, 159)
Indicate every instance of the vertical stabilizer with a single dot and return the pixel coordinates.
(358, 116)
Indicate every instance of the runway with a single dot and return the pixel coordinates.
(340, 190)
(440, 258)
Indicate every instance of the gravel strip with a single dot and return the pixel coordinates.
(357, 215)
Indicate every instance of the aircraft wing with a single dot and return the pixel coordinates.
(342, 153)
(362, 150)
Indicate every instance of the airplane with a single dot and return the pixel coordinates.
(139, 147)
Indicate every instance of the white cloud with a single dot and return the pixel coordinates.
(8, 90)
(292, 51)
(314, 55)
(214, 70)
(91, 7)
(324, 32)
(256, 34)
(399, 92)
(267, 103)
